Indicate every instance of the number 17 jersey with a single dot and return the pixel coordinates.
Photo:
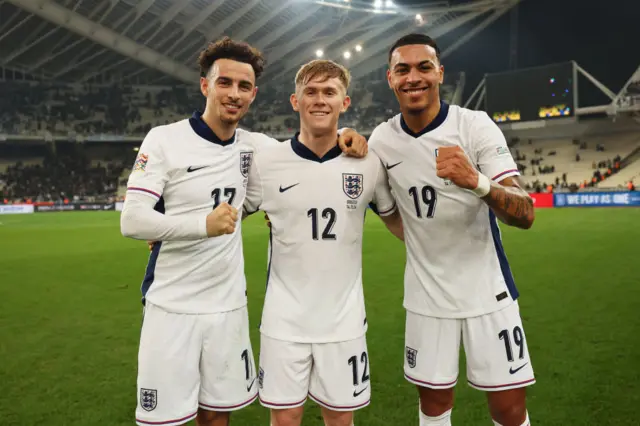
(316, 207)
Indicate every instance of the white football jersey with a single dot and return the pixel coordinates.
(316, 207)
(456, 265)
(189, 170)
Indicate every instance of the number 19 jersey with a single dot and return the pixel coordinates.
(316, 207)
(456, 265)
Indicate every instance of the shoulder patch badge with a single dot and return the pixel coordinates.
(502, 150)
(141, 162)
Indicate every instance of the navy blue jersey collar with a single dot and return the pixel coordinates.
(204, 131)
(303, 151)
(437, 121)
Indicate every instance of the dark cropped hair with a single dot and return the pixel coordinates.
(415, 39)
(227, 48)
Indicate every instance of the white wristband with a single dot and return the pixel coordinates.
(484, 186)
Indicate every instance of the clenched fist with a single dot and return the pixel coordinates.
(222, 220)
(452, 163)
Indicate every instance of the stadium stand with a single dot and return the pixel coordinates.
(62, 172)
(32, 108)
(36, 108)
(54, 93)
(630, 173)
(75, 112)
(565, 162)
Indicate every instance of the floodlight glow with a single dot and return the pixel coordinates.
(319, 53)
(389, 4)
(358, 48)
(346, 54)
(418, 17)
(377, 4)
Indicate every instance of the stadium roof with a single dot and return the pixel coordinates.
(158, 41)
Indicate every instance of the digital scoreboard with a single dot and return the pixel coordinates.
(530, 94)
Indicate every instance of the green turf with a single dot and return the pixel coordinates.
(70, 320)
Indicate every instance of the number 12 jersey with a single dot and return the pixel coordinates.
(316, 207)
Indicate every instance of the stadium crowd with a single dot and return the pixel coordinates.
(85, 109)
(61, 178)
(30, 108)
(62, 109)
(539, 166)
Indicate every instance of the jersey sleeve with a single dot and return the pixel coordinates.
(383, 202)
(491, 151)
(139, 220)
(150, 169)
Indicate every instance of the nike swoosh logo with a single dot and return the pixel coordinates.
(251, 384)
(356, 393)
(288, 187)
(389, 167)
(512, 371)
(193, 169)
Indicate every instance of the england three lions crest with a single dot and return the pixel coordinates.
(148, 399)
(245, 162)
(412, 356)
(352, 184)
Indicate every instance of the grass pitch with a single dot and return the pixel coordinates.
(70, 317)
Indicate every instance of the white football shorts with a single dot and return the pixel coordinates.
(334, 375)
(494, 344)
(186, 361)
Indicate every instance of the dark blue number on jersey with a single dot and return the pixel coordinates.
(330, 215)
(426, 196)
(228, 193)
(247, 363)
(353, 362)
(518, 339)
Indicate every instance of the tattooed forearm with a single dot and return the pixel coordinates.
(511, 204)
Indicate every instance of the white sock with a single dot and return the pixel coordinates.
(526, 421)
(442, 420)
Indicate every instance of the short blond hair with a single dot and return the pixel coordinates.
(323, 68)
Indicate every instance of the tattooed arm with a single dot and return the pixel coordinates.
(510, 203)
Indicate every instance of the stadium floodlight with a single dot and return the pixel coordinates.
(319, 53)
(419, 17)
(346, 54)
(377, 4)
(389, 4)
(136, 149)
(358, 48)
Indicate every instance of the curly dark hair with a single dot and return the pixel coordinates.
(226, 48)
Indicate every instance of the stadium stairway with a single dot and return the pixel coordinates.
(630, 172)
